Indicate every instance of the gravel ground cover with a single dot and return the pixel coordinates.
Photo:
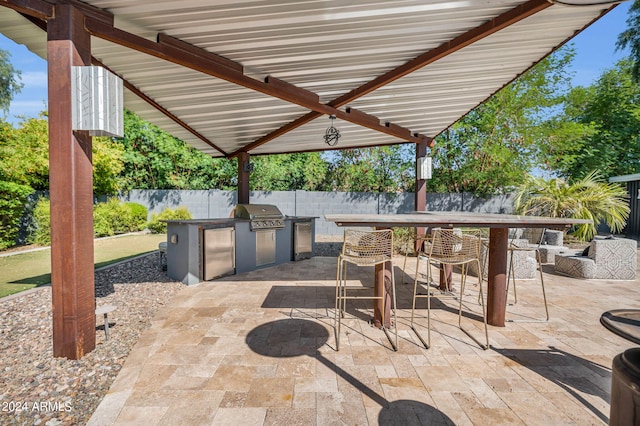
(38, 389)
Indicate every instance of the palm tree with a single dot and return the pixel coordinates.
(587, 198)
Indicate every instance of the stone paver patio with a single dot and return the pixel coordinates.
(258, 349)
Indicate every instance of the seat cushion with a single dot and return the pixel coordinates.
(575, 266)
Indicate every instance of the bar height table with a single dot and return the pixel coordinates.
(498, 225)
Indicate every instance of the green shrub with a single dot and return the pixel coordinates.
(13, 197)
(403, 239)
(137, 219)
(110, 218)
(157, 227)
(42, 222)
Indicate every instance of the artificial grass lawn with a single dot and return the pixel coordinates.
(23, 271)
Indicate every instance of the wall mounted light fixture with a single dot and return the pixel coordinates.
(424, 168)
(97, 101)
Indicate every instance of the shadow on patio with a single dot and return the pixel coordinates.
(258, 348)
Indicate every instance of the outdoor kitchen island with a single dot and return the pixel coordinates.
(205, 249)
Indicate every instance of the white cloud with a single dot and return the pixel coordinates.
(34, 79)
(24, 109)
(39, 105)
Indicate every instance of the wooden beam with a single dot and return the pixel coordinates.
(100, 24)
(428, 141)
(362, 117)
(209, 63)
(71, 192)
(139, 93)
(243, 177)
(174, 44)
(133, 89)
(89, 11)
(490, 27)
(36, 8)
(45, 9)
(282, 85)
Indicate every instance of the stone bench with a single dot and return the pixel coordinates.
(549, 246)
(606, 258)
(548, 253)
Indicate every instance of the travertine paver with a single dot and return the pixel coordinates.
(258, 349)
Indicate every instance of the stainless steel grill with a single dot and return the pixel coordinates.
(262, 216)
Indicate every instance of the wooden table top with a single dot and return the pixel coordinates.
(451, 219)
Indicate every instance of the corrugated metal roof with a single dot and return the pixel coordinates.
(327, 47)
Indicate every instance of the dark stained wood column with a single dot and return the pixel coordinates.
(71, 190)
(421, 184)
(243, 178)
(420, 200)
(382, 287)
(496, 294)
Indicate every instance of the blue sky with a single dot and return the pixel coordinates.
(595, 52)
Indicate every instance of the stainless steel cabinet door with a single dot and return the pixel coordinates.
(302, 241)
(219, 252)
(265, 247)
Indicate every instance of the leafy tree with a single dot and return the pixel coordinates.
(631, 38)
(13, 197)
(564, 148)
(153, 159)
(42, 222)
(379, 169)
(107, 161)
(586, 198)
(608, 114)
(24, 157)
(286, 172)
(225, 174)
(495, 145)
(9, 81)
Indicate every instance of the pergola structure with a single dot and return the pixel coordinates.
(235, 78)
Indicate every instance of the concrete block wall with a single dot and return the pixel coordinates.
(285, 200)
(320, 203)
(216, 203)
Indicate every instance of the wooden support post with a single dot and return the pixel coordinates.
(382, 288)
(243, 177)
(497, 292)
(71, 192)
(420, 200)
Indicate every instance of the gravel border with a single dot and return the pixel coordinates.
(37, 388)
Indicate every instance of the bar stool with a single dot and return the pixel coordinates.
(364, 248)
(419, 246)
(452, 247)
(530, 243)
